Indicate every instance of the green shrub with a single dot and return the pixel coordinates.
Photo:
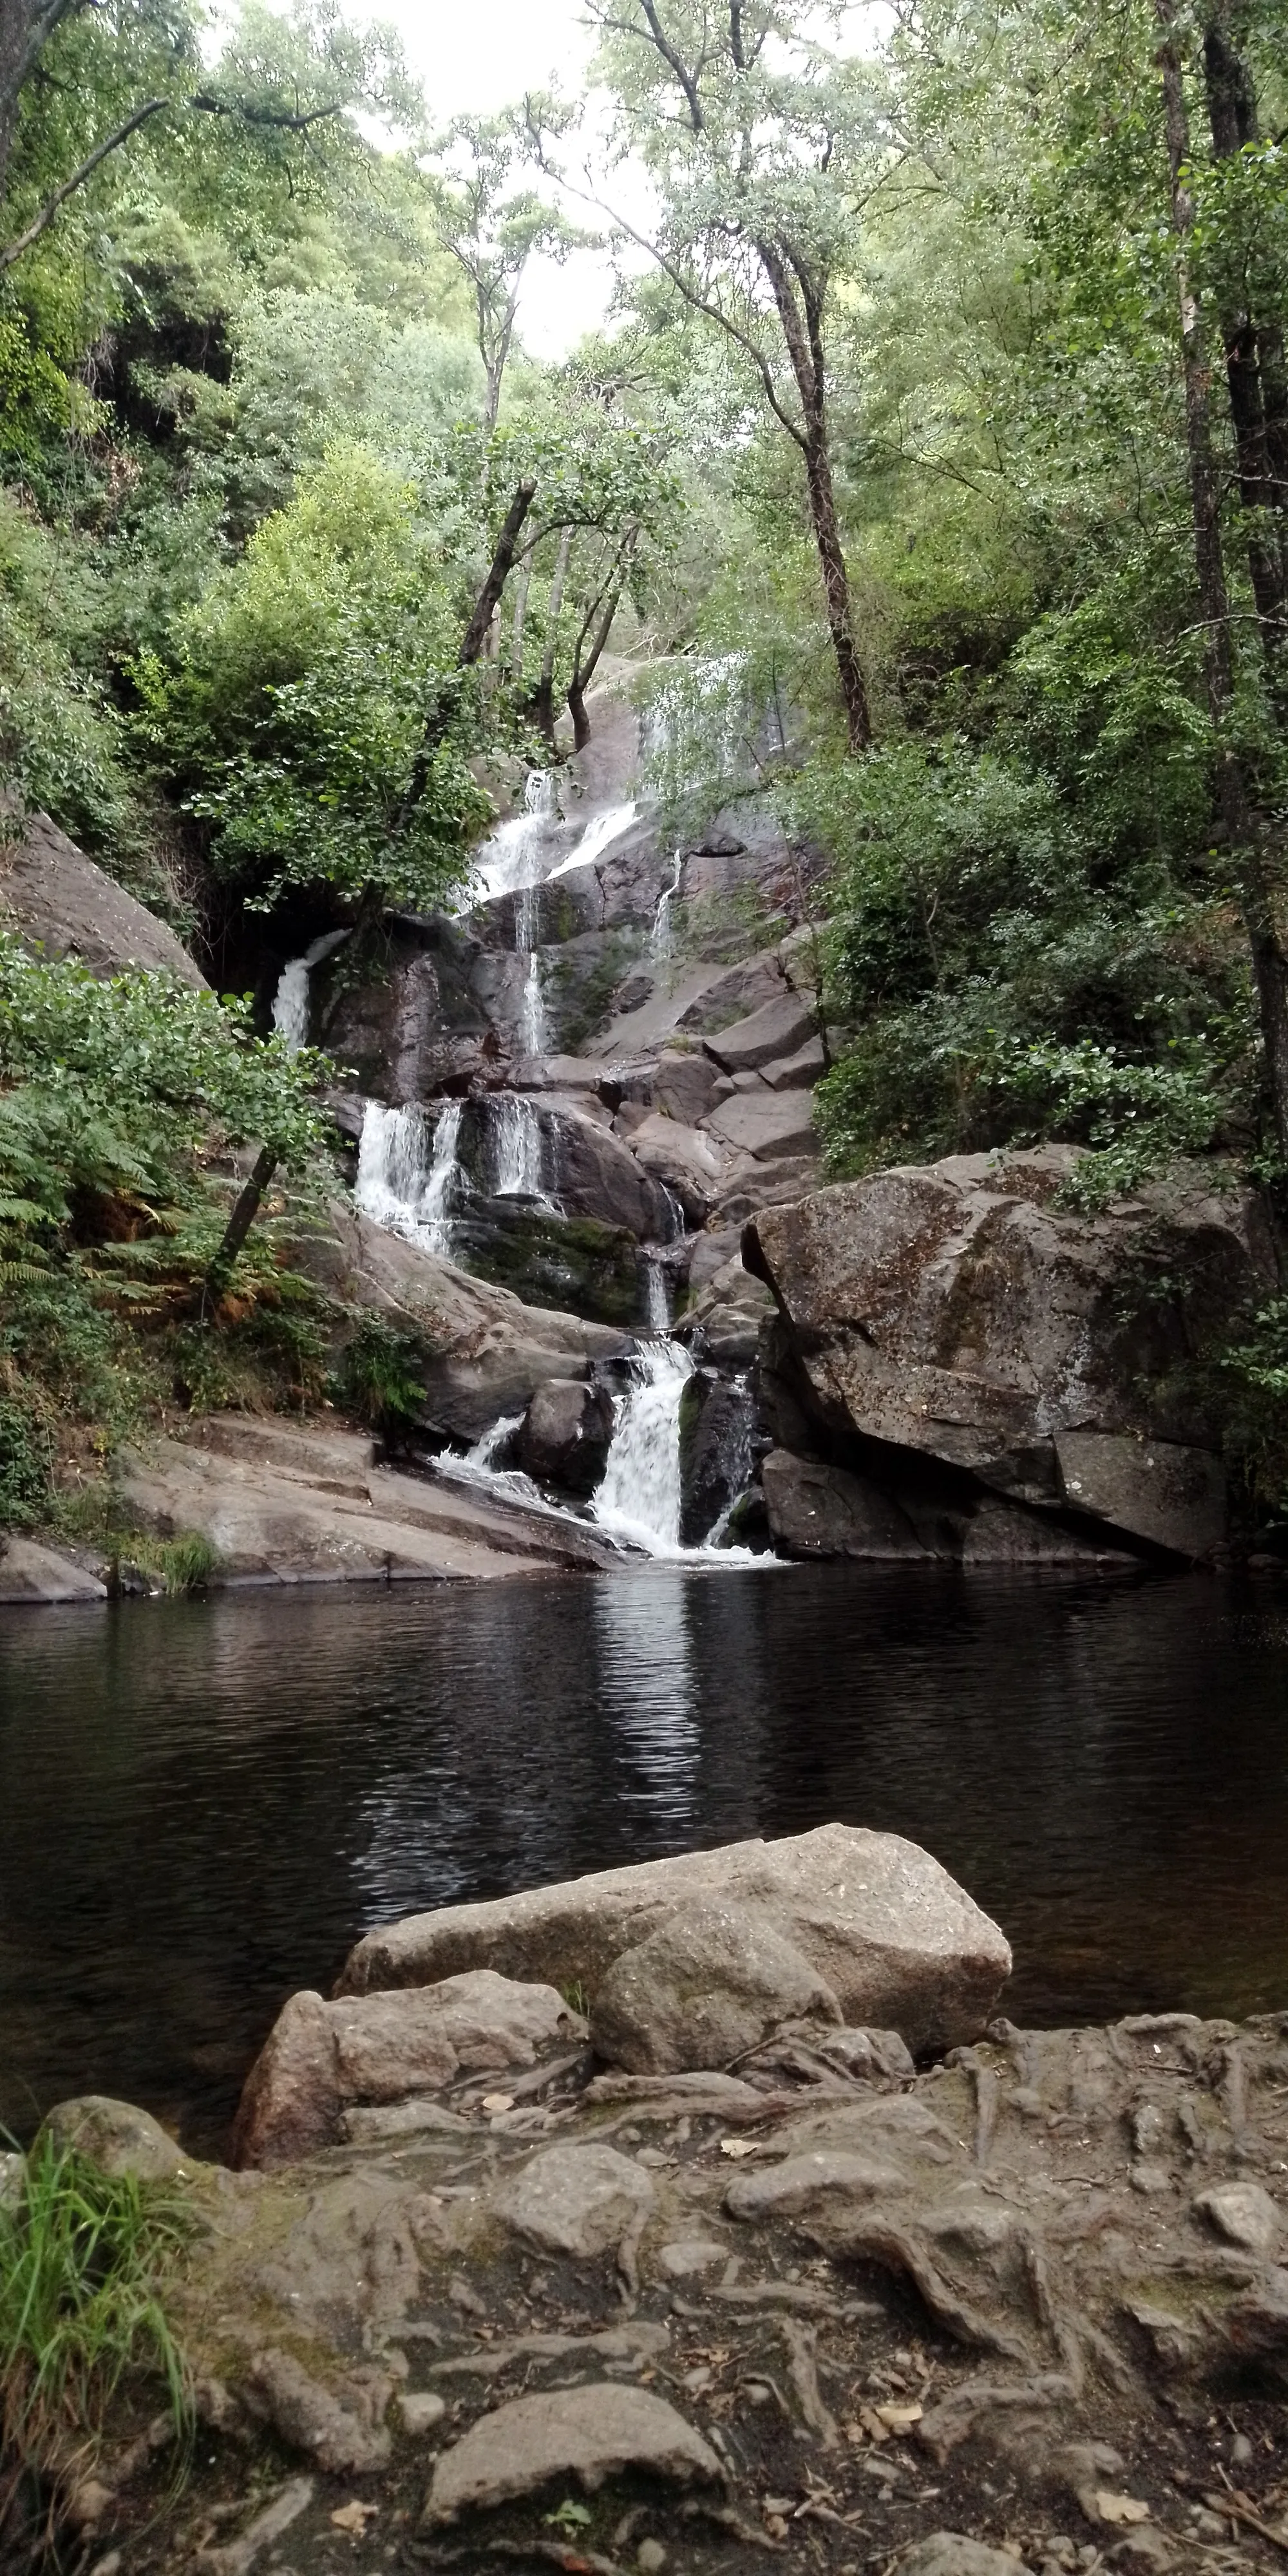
(378, 1374)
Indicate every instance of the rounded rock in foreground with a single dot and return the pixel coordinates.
(951, 2553)
(589, 2434)
(115, 2136)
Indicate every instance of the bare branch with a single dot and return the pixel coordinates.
(40, 223)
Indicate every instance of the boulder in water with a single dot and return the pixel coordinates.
(892, 1936)
(565, 1434)
(715, 1451)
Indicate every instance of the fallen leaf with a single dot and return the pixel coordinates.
(900, 2419)
(493, 2102)
(737, 2147)
(353, 2517)
(1120, 2508)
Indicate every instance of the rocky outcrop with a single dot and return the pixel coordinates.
(277, 1503)
(325, 2058)
(487, 1353)
(961, 1312)
(59, 901)
(871, 1921)
(816, 1510)
(32, 1573)
(565, 1434)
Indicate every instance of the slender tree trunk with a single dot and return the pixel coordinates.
(1232, 116)
(245, 1210)
(583, 672)
(543, 704)
(805, 350)
(1247, 848)
(523, 577)
(475, 636)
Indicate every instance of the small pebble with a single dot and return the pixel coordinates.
(650, 2558)
(1241, 2451)
(420, 2409)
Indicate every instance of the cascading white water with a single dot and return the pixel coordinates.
(517, 1153)
(661, 939)
(657, 1304)
(406, 1178)
(532, 1008)
(291, 1000)
(520, 852)
(639, 1498)
(600, 830)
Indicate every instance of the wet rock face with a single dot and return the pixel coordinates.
(565, 1435)
(715, 1452)
(877, 1922)
(959, 1312)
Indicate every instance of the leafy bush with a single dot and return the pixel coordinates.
(377, 1375)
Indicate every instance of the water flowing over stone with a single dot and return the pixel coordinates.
(532, 1009)
(408, 1174)
(600, 830)
(657, 1304)
(661, 940)
(509, 1484)
(517, 1147)
(521, 851)
(639, 1499)
(291, 1000)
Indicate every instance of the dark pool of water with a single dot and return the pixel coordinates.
(203, 1803)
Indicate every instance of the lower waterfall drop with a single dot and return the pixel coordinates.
(517, 1147)
(639, 1498)
(532, 1008)
(291, 1000)
(404, 1183)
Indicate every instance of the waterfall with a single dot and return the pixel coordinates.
(506, 1484)
(406, 1182)
(639, 1498)
(600, 830)
(661, 939)
(516, 853)
(291, 1000)
(532, 1008)
(517, 1143)
(657, 1304)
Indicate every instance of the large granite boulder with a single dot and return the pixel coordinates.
(565, 1434)
(960, 1311)
(59, 901)
(869, 1917)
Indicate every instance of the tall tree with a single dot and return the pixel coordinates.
(761, 147)
(494, 227)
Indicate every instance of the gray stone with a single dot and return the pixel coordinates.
(776, 1030)
(1152, 1489)
(801, 2184)
(951, 2553)
(1242, 2212)
(689, 2256)
(683, 1085)
(593, 1174)
(766, 1125)
(690, 1162)
(735, 994)
(345, 2440)
(798, 1072)
(565, 1435)
(115, 2136)
(59, 901)
(35, 1574)
(576, 2200)
(321, 2057)
(899, 1944)
(958, 1310)
(816, 1510)
(420, 2409)
(588, 2434)
(707, 1985)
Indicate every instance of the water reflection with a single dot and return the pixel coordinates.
(201, 1804)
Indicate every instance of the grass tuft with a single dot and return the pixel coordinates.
(83, 2260)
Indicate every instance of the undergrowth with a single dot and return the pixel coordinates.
(84, 2261)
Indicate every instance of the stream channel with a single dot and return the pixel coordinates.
(202, 1803)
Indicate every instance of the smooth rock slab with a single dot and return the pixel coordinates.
(320, 2058)
(898, 1943)
(1242, 2212)
(590, 2434)
(576, 2200)
(801, 2184)
(29, 1572)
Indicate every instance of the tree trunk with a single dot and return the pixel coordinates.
(543, 703)
(1247, 849)
(514, 664)
(475, 636)
(1232, 116)
(805, 349)
(245, 1210)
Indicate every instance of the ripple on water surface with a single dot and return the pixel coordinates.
(203, 1803)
